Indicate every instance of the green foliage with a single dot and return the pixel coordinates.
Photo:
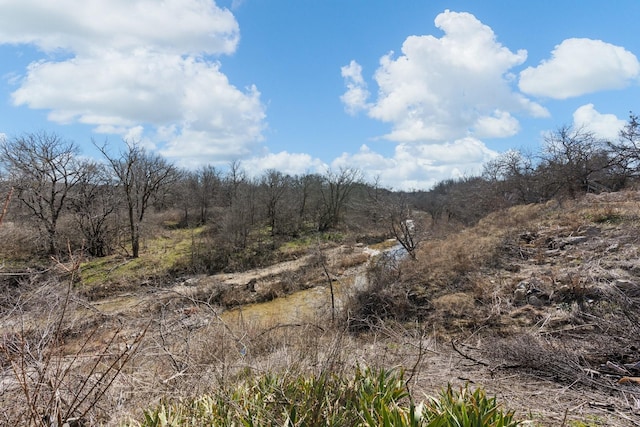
(466, 408)
(369, 398)
(606, 215)
(161, 255)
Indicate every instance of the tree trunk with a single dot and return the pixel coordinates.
(135, 245)
(53, 250)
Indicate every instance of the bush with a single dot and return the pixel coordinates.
(370, 398)
(465, 408)
(384, 297)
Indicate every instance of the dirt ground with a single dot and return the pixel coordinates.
(549, 323)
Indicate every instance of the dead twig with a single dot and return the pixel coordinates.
(466, 356)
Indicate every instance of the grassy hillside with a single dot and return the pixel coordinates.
(539, 305)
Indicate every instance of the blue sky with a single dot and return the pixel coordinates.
(411, 92)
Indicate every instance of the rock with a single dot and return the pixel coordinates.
(613, 248)
(625, 285)
(537, 297)
(561, 243)
(528, 292)
(575, 240)
(592, 231)
(520, 294)
(535, 300)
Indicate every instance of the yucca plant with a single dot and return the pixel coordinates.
(370, 398)
(379, 398)
(465, 408)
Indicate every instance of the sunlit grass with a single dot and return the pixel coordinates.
(158, 256)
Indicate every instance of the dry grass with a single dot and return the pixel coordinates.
(18, 242)
(537, 359)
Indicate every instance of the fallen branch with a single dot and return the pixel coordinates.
(466, 356)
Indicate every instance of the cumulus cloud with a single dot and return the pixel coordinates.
(579, 66)
(355, 98)
(445, 88)
(285, 162)
(411, 167)
(420, 166)
(605, 126)
(139, 69)
(500, 124)
(176, 26)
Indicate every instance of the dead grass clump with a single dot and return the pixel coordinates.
(514, 217)
(444, 263)
(192, 355)
(368, 309)
(58, 359)
(19, 242)
(542, 358)
(385, 297)
(459, 304)
(351, 260)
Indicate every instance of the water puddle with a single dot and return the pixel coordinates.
(309, 305)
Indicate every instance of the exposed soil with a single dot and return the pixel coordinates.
(549, 322)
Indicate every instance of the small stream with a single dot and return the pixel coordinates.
(309, 305)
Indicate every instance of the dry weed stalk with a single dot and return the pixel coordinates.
(57, 388)
(5, 207)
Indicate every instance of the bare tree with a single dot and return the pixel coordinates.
(93, 203)
(239, 199)
(43, 169)
(274, 186)
(401, 223)
(336, 190)
(307, 198)
(513, 177)
(141, 175)
(572, 161)
(208, 185)
(235, 178)
(625, 151)
(198, 191)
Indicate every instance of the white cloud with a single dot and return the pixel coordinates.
(606, 126)
(355, 98)
(366, 160)
(501, 124)
(285, 162)
(139, 69)
(445, 88)
(579, 66)
(420, 166)
(176, 26)
(411, 167)
(235, 4)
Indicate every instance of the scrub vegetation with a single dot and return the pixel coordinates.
(136, 293)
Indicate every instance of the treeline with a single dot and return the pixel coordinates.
(71, 203)
(570, 163)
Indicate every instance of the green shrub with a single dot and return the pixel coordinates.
(465, 408)
(370, 398)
